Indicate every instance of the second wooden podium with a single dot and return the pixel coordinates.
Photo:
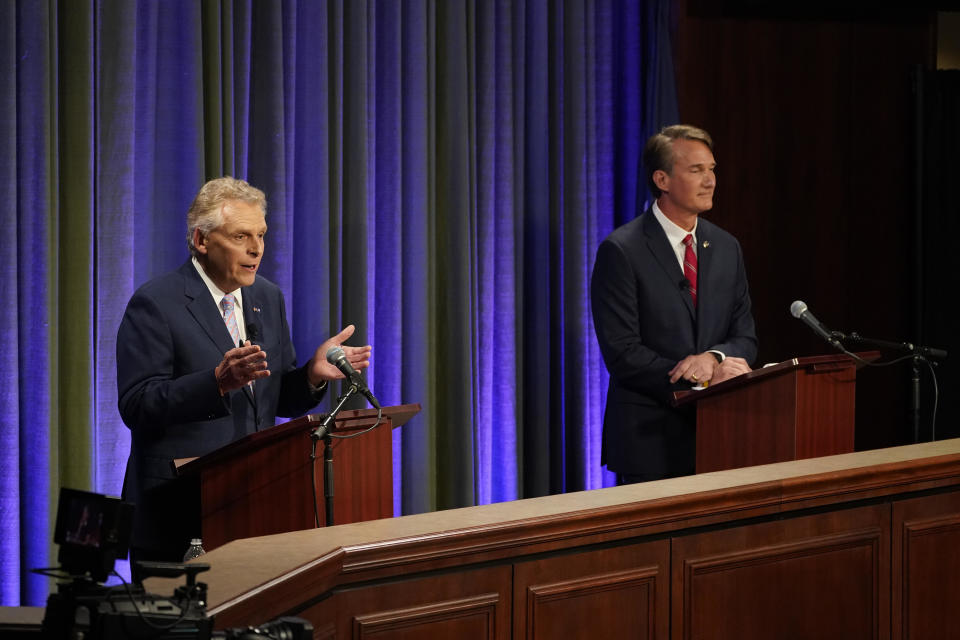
(268, 482)
(801, 408)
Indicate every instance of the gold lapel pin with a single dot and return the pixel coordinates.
(706, 243)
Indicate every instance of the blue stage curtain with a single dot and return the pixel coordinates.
(438, 174)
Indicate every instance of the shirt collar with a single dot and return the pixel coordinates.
(675, 233)
(215, 291)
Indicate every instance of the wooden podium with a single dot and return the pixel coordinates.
(801, 408)
(266, 482)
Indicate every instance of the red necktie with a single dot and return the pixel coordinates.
(690, 267)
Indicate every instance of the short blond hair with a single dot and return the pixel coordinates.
(206, 211)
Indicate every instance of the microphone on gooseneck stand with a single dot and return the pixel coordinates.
(338, 358)
(799, 310)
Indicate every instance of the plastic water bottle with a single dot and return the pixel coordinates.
(195, 550)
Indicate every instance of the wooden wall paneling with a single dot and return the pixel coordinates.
(926, 567)
(608, 593)
(811, 114)
(472, 604)
(815, 576)
(753, 511)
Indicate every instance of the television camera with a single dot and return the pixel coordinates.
(93, 531)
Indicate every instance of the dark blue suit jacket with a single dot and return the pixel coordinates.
(170, 340)
(646, 323)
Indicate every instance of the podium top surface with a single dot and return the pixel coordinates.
(351, 420)
(812, 363)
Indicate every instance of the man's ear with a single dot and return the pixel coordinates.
(661, 179)
(199, 242)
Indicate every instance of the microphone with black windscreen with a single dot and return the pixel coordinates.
(253, 332)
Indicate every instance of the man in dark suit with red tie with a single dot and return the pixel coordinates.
(671, 308)
(204, 357)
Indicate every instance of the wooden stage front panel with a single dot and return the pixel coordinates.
(863, 545)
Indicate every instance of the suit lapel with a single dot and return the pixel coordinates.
(666, 257)
(705, 260)
(203, 309)
(207, 315)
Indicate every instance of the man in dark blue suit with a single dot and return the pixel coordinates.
(204, 357)
(669, 312)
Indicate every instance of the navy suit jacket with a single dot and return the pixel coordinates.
(646, 323)
(170, 340)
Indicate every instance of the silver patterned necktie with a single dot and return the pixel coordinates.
(229, 303)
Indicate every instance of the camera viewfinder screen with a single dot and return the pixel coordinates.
(84, 522)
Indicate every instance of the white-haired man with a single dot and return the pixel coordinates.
(204, 357)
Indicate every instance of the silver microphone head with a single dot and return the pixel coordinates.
(334, 354)
(798, 308)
